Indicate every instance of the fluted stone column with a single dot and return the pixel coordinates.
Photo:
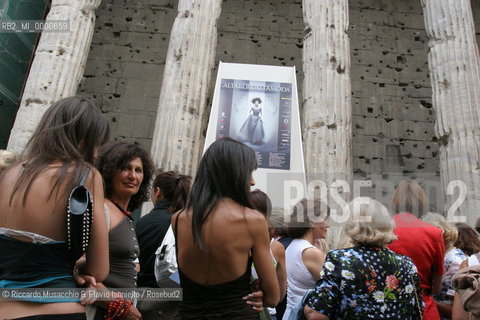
(327, 111)
(177, 139)
(327, 115)
(57, 67)
(454, 64)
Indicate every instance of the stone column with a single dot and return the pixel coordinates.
(454, 64)
(177, 139)
(327, 115)
(57, 67)
(327, 111)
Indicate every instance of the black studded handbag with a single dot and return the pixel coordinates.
(79, 218)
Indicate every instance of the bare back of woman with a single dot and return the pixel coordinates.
(41, 216)
(219, 235)
(228, 236)
(38, 214)
(33, 212)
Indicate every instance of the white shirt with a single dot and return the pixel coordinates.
(299, 279)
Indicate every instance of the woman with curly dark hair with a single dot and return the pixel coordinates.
(116, 162)
(127, 170)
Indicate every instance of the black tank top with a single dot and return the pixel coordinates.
(215, 302)
(27, 264)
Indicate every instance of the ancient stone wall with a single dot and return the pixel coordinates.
(262, 32)
(393, 120)
(125, 64)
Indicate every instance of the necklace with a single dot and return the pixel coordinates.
(124, 211)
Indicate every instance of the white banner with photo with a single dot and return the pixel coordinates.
(258, 105)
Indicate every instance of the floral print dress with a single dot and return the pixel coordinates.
(367, 283)
(452, 261)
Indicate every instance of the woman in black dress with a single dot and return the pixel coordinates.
(218, 236)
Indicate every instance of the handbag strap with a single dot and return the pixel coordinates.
(416, 298)
(470, 269)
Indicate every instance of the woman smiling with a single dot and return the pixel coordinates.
(127, 170)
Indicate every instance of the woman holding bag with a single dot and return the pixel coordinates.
(33, 209)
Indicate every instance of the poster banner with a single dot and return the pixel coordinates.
(258, 106)
(259, 115)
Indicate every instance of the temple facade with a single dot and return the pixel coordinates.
(388, 89)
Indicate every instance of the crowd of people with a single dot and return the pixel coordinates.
(236, 257)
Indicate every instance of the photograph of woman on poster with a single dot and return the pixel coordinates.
(252, 129)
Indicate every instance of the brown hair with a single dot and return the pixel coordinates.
(116, 156)
(410, 197)
(303, 214)
(261, 202)
(468, 239)
(69, 132)
(175, 189)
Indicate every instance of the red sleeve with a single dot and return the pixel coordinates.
(439, 255)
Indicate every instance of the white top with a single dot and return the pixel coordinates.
(36, 238)
(299, 279)
(473, 260)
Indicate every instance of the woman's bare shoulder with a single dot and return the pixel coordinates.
(179, 216)
(256, 221)
(254, 215)
(277, 246)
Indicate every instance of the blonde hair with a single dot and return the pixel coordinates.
(450, 232)
(370, 223)
(410, 197)
(7, 158)
(338, 238)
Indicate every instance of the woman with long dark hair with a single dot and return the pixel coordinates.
(33, 210)
(219, 235)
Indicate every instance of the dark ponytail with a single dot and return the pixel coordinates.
(175, 189)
